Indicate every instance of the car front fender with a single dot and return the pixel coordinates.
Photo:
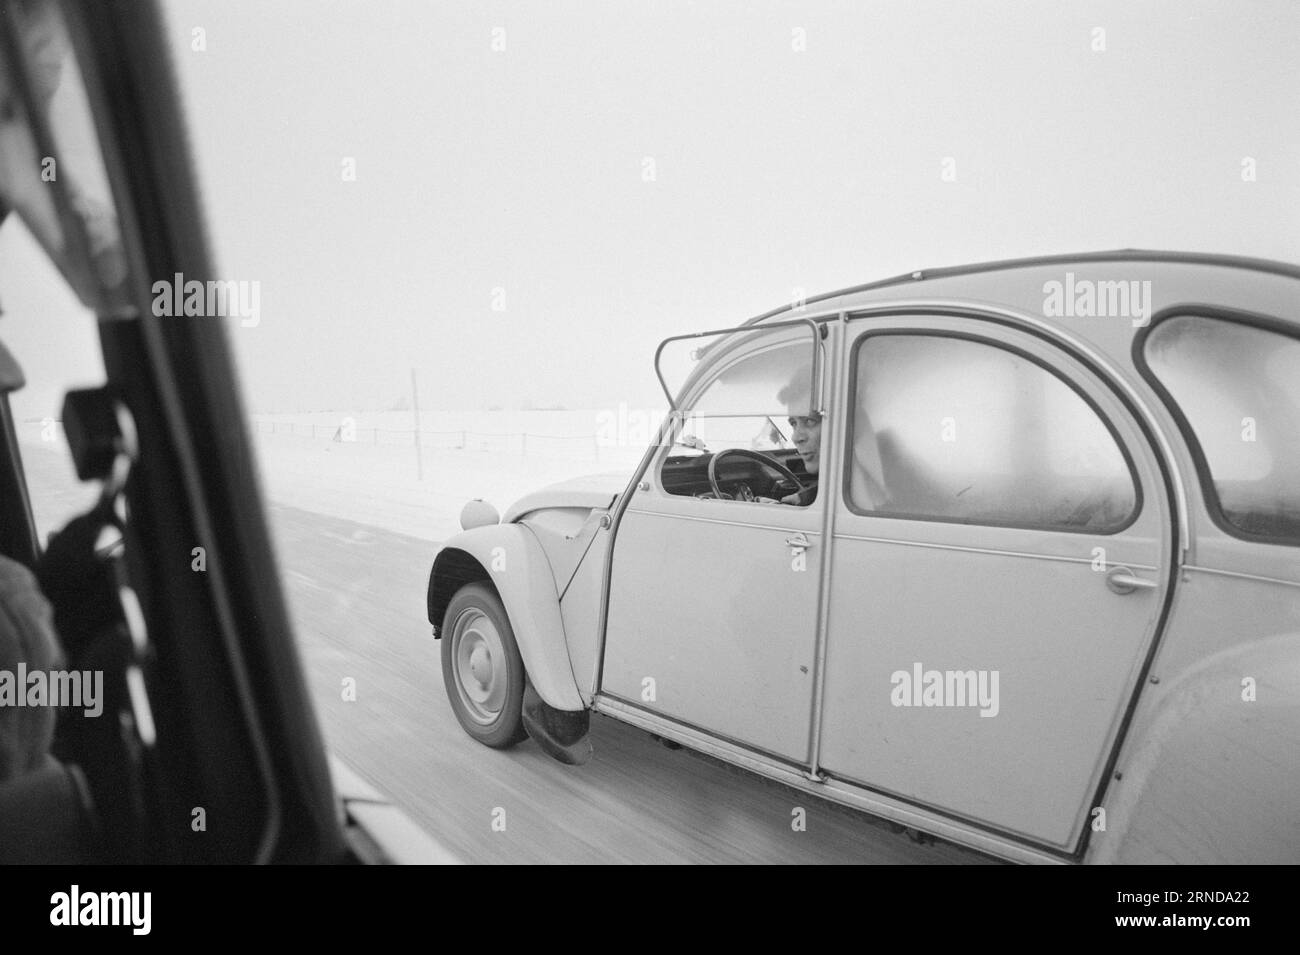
(510, 557)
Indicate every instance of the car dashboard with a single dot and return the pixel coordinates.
(688, 475)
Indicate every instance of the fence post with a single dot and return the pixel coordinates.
(415, 407)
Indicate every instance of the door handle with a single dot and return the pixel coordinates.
(799, 541)
(1121, 580)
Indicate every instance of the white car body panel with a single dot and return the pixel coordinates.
(592, 491)
(517, 566)
(743, 630)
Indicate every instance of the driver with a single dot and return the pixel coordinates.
(807, 437)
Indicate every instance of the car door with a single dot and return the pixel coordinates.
(713, 603)
(1001, 557)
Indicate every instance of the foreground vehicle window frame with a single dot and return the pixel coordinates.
(236, 732)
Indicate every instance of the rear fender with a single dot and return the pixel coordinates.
(511, 558)
(1209, 772)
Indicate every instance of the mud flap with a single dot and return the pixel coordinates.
(560, 733)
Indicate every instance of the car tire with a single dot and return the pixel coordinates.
(481, 667)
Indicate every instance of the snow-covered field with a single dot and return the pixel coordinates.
(377, 484)
(366, 468)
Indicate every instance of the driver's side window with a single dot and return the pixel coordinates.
(748, 431)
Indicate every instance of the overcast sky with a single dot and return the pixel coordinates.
(793, 145)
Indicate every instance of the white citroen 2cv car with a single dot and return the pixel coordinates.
(1006, 554)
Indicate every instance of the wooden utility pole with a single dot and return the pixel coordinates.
(415, 408)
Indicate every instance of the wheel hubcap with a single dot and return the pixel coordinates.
(479, 658)
(480, 664)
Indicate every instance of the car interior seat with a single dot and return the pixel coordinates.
(47, 817)
(867, 477)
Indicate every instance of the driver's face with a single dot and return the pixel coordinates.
(808, 440)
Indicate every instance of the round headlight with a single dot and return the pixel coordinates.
(478, 513)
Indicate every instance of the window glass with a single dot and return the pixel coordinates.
(1239, 388)
(771, 381)
(958, 430)
(57, 268)
(753, 432)
(752, 419)
(82, 238)
(749, 371)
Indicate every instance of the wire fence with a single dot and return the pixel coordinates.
(523, 443)
(463, 439)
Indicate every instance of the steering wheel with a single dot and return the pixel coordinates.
(758, 456)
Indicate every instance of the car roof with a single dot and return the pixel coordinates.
(924, 282)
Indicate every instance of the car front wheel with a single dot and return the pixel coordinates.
(482, 668)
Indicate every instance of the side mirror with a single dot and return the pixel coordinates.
(98, 431)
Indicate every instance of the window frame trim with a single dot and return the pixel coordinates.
(850, 397)
(693, 382)
(1204, 476)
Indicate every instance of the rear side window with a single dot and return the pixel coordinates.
(953, 429)
(1237, 388)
